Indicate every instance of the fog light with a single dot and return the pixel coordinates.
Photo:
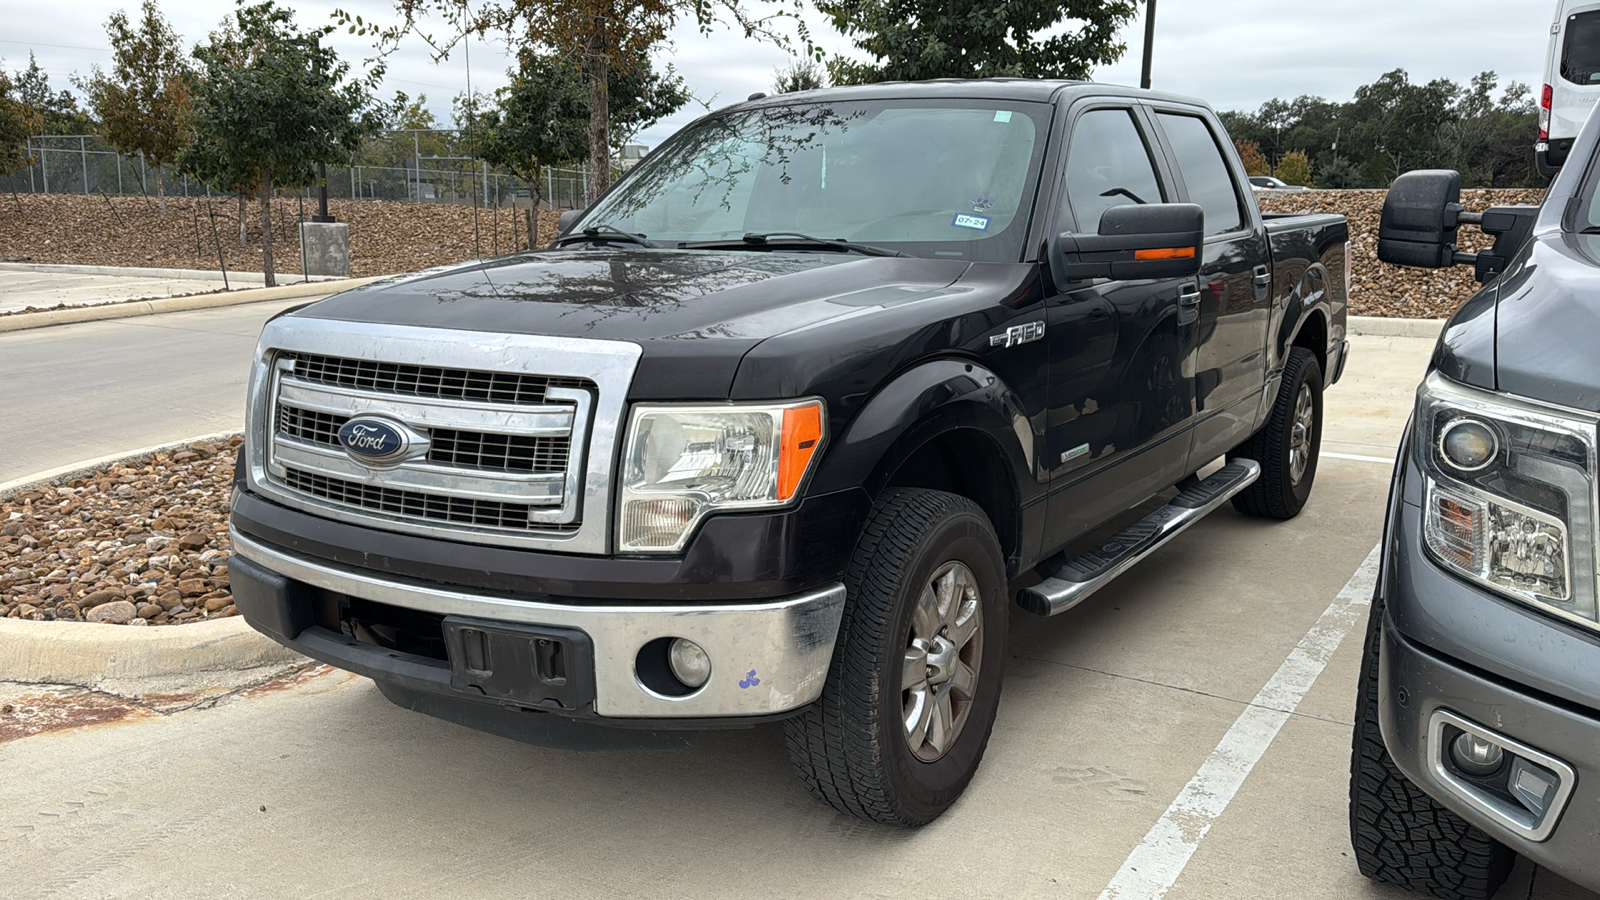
(1532, 785)
(690, 664)
(1474, 755)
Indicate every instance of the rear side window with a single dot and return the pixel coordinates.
(1204, 172)
(1580, 49)
(1108, 164)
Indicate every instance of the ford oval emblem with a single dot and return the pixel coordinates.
(370, 441)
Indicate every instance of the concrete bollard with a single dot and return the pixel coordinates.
(327, 248)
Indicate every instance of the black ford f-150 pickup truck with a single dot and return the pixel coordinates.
(775, 427)
(1478, 720)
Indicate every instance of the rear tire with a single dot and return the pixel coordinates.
(1288, 445)
(1401, 835)
(914, 685)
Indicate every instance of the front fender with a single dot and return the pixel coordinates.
(922, 402)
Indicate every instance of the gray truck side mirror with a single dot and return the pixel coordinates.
(1420, 218)
(1156, 240)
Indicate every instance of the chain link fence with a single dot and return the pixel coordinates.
(425, 166)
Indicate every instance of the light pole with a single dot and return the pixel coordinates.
(1149, 41)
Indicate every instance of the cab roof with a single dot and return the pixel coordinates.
(1025, 89)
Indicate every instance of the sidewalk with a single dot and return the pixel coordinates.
(24, 285)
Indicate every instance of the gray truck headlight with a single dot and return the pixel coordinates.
(1510, 494)
(682, 463)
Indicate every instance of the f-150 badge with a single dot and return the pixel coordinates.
(1018, 334)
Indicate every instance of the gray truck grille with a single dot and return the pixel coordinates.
(494, 451)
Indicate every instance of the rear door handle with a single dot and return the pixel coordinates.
(1263, 277)
(1189, 295)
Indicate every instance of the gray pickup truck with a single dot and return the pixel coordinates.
(1478, 721)
(782, 424)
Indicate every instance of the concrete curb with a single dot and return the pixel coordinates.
(130, 308)
(1381, 326)
(9, 489)
(195, 660)
(204, 658)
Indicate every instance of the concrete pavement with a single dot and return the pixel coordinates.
(317, 786)
(23, 285)
(77, 392)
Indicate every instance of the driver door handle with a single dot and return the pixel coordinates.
(1189, 295)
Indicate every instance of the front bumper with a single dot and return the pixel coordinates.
(768, 657)
(1414, 684)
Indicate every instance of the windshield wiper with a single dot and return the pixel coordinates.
(1592, 229)
(605, 233)
(793, 239)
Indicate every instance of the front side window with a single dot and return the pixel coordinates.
(1108, 165)
(952, 179)
(1580, 49)
(1205, 173)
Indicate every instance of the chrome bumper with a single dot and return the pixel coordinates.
(766, 658)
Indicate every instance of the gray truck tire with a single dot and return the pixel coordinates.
(1401, 835)
(1287, 445)
(927, 577)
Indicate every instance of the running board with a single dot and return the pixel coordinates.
(1073, 580)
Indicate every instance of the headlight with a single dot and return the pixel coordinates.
(681, 463)
(1510, 497)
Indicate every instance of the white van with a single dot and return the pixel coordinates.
(1571, 80)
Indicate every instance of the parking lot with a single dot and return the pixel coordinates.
(1136, 753)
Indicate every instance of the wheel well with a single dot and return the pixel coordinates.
(1313, 336)
(968, 463)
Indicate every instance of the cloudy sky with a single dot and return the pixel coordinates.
(1234, 53)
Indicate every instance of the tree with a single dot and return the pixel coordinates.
(58, 110)
(799, 75)
(270, 104)
(912, 40)
(1250, 154)
(1393, 125)
(542, 116)
(594, 35)
(18, 122)
(1294, 168)
(143, 103)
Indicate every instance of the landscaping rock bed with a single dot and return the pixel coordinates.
(140, 542)
(1379, 289)
(386, 237)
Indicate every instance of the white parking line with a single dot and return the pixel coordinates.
(1388, 461)
(1153, 866)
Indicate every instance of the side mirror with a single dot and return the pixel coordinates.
(1157, 240)
(1420, 217)
(568, 219)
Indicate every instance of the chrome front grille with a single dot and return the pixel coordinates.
(428, 381)
(412, 504)
(449, 446)
(509, 439)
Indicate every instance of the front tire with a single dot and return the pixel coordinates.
(914, 685)
(1288, 445)
(1401, 835)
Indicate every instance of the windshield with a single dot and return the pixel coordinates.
(947, 178)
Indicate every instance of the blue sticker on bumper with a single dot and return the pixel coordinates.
(968, 220)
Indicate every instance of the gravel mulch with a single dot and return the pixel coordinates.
(144, 542)
(386, 237)
(1379, 289)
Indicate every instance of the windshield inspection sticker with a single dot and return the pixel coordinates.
(968, 220)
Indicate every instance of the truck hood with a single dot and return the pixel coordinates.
(695, 313)
(1532, 332)
(639, 295)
